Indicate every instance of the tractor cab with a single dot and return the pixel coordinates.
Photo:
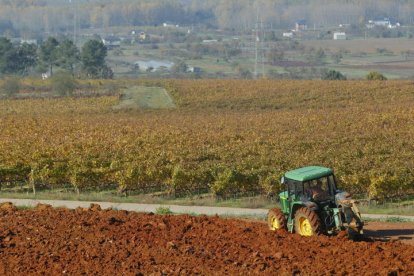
(310, 186)
(312, 204)
(315, 184)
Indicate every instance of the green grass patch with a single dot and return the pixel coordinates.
(387, 219)
(24, 207)
(112, 196)
(142, 97)
(389, 209)
(249, 217)
(163, 211)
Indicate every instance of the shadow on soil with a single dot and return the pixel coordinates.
(390, 234)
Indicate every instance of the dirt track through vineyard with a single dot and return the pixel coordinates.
(94, 241)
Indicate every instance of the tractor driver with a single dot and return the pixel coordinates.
(316, 192)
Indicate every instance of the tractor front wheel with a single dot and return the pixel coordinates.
(276, 220)
(307, 222)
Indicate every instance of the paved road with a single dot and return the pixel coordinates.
(221, 211)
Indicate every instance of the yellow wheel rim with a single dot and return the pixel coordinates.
(305, 227)
(274, 223)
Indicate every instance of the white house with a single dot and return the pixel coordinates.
(28, 41)
(301, 25)
(111, 41)
(288, 34)
(169, 25)
(210, 41)
(192, 69)
(143, 36)
(383, 22)
(45, 76)
(339, 36)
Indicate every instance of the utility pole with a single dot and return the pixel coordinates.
(75, 20)
(259, 44)
(257, 40)
(255, 46)
(262, 47)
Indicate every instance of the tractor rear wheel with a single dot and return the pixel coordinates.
(276, 220)
(307, 222)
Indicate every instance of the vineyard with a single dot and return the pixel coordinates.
(224, 137)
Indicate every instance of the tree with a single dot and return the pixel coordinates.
(406, 54)
(26, 58)
(374, 75)
(7, 56)
(63, 83)
(16, 59)
(320, 55)
(68, 55)
(180, 67)
(333, 75)
(337, 57)
(106, 72)
(245, 73)
(11, 86)
(48, 54)
(316, 56)
(93, 58)
(275, 55)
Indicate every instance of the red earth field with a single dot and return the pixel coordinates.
(108, 242)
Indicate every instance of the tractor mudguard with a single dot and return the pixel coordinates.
(311, 205)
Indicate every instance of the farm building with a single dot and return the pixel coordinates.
(143, 36)
(28, 41)
(111, 41)
(301, 25)
(194, 70)
(170, 25)
(339, 36)
(383, 22)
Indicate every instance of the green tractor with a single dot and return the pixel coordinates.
(313, 205)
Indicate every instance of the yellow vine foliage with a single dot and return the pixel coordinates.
(226, 136)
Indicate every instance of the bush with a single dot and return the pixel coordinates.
(106, 72)
(333, 75)
(180, 67)
(231, 181)
(382, 185)
(245, 73)
(63, 84)
(270, 184)
(375, 76)
(163, 211)
(187, 180)
(83, 176)
(11, 86)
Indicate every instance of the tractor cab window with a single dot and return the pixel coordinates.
(317, 189)
(295, 188)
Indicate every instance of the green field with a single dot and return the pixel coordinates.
(141, 97)
(358, 57)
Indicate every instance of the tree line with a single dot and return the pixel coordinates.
(30, 18)
(24, 59)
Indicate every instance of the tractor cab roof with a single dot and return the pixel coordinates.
(308, 173)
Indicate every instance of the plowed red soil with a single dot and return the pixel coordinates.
(107, 242)
(386, 231)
